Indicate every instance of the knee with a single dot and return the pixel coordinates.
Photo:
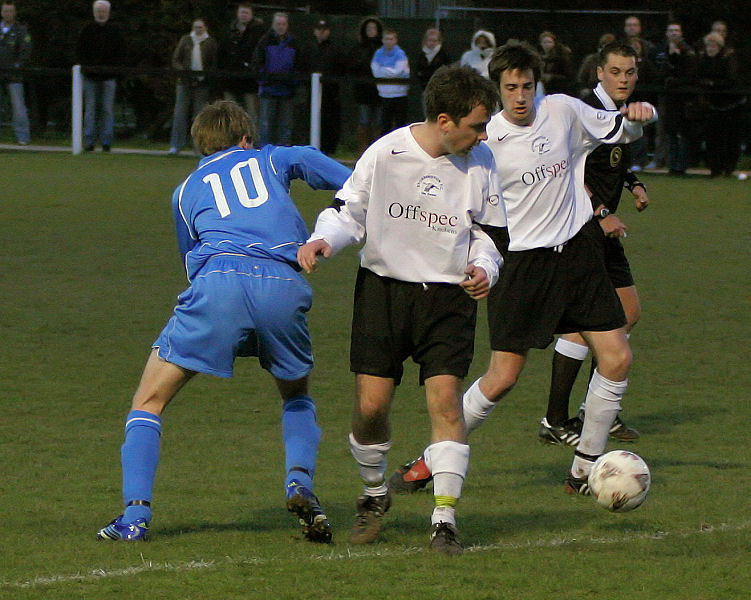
(289, 389)
(445, 409)
(372, 409)
(616, 364)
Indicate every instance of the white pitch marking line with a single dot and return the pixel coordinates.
(350, 554)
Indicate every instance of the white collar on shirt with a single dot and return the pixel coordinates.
(606, 100)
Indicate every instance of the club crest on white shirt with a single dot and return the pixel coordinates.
(541, 144)
(430, 186)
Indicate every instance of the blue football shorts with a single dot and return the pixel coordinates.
(241, 306)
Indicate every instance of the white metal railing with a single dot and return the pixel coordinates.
(77, 110)
(315, 110)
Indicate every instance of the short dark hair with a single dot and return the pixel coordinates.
(221, 125)
(513, 56)
(457, 91)
(618, 48)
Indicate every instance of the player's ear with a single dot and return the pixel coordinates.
(244, 144)
(443, 121)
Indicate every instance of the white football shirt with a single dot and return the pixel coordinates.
(418, 214)
(541, 167)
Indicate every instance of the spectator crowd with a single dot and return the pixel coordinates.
(696, 86)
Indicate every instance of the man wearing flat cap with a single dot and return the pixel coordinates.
(327, 58)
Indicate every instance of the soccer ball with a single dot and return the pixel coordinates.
(619, 481)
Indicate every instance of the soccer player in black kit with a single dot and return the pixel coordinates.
(606, 174)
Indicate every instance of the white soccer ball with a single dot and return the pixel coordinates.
(619, 481)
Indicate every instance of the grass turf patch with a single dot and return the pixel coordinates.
(91, 275)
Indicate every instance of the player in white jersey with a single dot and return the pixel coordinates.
(416, 197)
(554, 278)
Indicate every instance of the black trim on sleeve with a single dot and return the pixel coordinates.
(631, 181)
(337, 204)
(616, 128)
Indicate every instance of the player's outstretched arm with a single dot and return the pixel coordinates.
(477, 285)
(638, 112)
(308, 253)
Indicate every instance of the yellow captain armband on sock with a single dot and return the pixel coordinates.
(447, 501)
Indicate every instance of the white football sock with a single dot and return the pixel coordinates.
(371, 461)
(583, 405)
(476, 407)
(448, 461)
(571, 349)
(603, 403)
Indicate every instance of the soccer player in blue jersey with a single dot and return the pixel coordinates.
(238, 232)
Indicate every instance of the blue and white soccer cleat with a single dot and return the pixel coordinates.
(126, 532)
(304, 503)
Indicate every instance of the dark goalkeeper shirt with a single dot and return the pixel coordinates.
(606, 171)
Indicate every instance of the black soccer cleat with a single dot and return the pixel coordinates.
(567, 434)
(619, 430)
(576, 485)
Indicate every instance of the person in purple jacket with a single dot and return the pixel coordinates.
(277, 53)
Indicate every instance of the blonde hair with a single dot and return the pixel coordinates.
(221, 125)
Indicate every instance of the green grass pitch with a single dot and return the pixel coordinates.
(90, 274)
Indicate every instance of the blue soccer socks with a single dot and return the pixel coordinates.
(301, 436)
(140, 457)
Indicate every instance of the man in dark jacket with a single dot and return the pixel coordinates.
(277, 53)
(675, 62)
(236, 54)
(365, 92)
(15, 50)
(100, 44)
(327, 59)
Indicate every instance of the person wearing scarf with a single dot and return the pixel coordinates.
(196, 51)
(432, 57)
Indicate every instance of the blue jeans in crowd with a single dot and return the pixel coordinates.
(99, 111)
(20, 116)
(189, 100)
(275, 116)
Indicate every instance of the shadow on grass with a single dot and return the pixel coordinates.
(257, 521)
(663, 421)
